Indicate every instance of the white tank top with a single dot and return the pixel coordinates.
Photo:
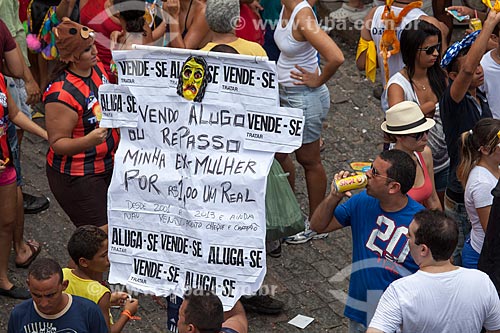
(293, 52)
(377, 29)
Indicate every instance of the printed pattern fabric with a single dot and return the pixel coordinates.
(81, 95)
(4, 120)
(380, 253)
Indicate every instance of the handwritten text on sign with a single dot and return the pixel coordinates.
(229, 80)
(186, 205)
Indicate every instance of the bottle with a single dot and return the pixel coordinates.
(351, 183)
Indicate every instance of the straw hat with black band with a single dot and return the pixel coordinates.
(406, 118)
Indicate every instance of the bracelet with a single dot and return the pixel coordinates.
(129, 315)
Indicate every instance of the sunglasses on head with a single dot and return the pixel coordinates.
(430, 49)
(419, 135)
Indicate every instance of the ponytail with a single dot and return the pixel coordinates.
(469, 154)
(483, 137)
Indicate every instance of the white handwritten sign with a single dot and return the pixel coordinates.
(252, 83)
(118, 105)
(186, 204)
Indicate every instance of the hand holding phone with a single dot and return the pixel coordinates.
(457, 15)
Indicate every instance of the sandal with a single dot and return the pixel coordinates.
(322, 145)
(15, 292)
(35, 251)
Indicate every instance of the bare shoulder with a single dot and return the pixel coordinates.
(427, 155)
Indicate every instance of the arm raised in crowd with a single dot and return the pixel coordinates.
(469, 65)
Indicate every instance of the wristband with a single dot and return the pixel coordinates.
(129, 315)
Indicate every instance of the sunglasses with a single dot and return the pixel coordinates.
(376, 173)
(430, 49)
(418, 136)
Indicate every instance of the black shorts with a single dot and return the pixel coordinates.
(83, 198)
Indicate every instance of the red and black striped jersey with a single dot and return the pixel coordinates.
(81, 95)
(4, 120)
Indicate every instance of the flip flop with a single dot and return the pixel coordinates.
(322, 145)
(35, 251)
(15, 292)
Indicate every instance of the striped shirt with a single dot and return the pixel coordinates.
(81, 95)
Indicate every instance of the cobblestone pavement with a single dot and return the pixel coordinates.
(302, 274)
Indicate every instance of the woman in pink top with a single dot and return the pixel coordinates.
(407, 127)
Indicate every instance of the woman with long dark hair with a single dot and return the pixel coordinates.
(80, 156)
(479, 173)
(423, 81)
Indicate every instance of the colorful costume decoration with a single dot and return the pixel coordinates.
(455, 49)
(496, 7)
(41, 19)
(389, 44)
(193, 79)
(371, 57)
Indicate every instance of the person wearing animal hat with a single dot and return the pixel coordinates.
(80, 156)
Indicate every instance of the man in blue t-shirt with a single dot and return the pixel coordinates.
(51, 309)
(379, 219)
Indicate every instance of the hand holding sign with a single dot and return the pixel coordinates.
(98, 136)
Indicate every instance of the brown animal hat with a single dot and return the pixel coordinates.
(72, 39)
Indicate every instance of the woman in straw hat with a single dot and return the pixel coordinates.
(478, 172)
(407, 127)
(423, 81)
(80, 156)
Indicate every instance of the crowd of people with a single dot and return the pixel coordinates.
(424, 225)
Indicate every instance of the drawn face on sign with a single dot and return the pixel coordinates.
(193, 79)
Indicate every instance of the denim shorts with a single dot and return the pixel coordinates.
(458, 213)
(470, 257)
(17, 89)
(441, 179)
(314, 102)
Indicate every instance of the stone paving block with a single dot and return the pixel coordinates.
(323, 290)
(309, 301)
(327, 318)
(309, 279)
(337, 306)
(280, 272)
(296, 264)
(325, 268)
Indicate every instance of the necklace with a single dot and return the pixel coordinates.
(420, 85)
